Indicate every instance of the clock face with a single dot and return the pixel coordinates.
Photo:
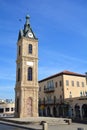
(30, 35)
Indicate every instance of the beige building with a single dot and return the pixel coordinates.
(7, 109)
(63, 94)
(26, 90)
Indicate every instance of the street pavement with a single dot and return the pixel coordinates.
(8, 127)
(73, 126)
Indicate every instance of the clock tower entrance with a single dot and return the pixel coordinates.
(26, 89)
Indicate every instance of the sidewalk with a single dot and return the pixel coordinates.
(33, 123)
(38, 120)
(73, 126)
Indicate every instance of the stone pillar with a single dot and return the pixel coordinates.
(74, 113)
(57, 111)
(51, 111)
(70, 111)
(81, 112)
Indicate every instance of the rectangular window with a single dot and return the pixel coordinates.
(72, 83)
(12, 109)
(1, 110)
(56, 84)
(78, 84)
(39, 88)
(50, 84)
(80, 94)
(67, 83)
(60, 96)
(60, 83)
(82, 84)
(7, 109)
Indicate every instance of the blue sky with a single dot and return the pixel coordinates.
(61, 27)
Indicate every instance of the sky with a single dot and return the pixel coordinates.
(59, 25)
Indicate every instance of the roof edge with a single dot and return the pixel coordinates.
(63, 73)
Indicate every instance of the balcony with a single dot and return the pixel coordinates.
(42, 102)
(51, 101)
(49, 89)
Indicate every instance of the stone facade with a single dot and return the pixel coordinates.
(63, 95)
(26, 90)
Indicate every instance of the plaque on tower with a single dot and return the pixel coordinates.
(29, 63)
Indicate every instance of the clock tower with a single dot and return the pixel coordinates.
(26, 89)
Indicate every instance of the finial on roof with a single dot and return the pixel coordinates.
(27, 19)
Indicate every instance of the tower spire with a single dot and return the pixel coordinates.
(27, 31)
(27, 20)
(27, 24)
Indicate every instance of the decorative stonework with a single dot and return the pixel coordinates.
(26, 92)
(29, 106)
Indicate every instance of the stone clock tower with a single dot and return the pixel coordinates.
(26, 90)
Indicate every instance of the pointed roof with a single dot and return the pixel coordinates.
(27, 24)
(65, 72)
(27, 28)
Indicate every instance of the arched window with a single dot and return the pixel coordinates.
(30, 48)
(19, 74)
(30, 74)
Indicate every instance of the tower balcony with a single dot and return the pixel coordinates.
(49, 89)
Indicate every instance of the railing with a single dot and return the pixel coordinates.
(49, 89)
(51, 101)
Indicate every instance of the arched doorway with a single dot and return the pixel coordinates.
(66, 110)
(48, 111)
(77, 111)
(54, 111)
(84, 110)
(29, 106)
(60, 110)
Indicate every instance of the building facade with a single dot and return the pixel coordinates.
(63, 95)
(26, 90)
(7, 109)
